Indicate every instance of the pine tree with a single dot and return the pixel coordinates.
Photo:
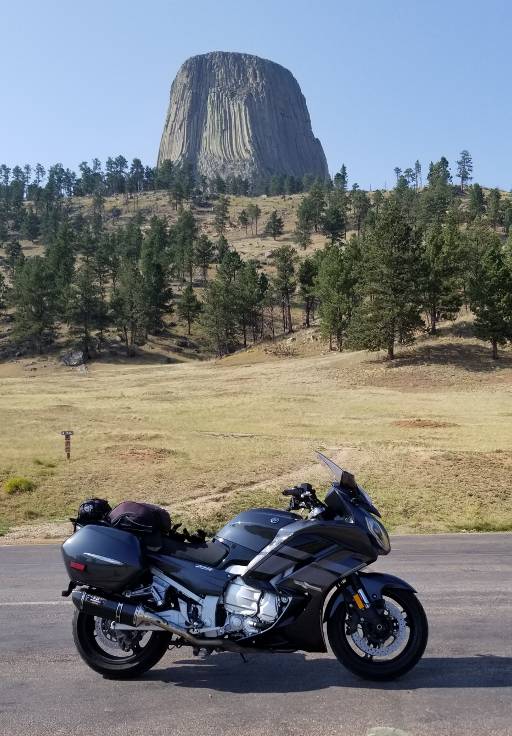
(129, 306)
(253, 213)
(274, 225)
(284, 281)
(188, 306)
(476, 206)
(333, 220)
(440, 282)
(3, 292)
(84, 309)
(221, 215)
(220, 315)
(60, 257)
(184, 236)
(491, 293)
(336, 290)
(15, 257)
(155, 274)
(464, 168)
(243, 220)
(204, 254)
(34, 300)
(248, 296)
(493, 206)
(308, 272)
(390, 310)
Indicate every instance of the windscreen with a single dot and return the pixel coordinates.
(341, 476)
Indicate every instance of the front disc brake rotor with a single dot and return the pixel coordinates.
(399, 634)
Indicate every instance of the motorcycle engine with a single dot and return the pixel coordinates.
(249, 610)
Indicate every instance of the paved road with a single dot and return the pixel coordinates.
(462, 686)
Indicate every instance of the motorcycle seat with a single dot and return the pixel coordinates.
(207, 553)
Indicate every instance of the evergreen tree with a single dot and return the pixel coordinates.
(333, 220)
(307, 274)
(243, 220)
(274, 225)
(184, 236)
(129, 306)
(464, 168)
(3, 292)
(204, 255)
(222, 248)
(390, 310)
(155, 274)
(341, 179)
(34, 300)
(60, 257)
(253, 213)
(188, 306)
(284, 281)
(476, 206)
(84, 311)
(441, 283)
(14, 257)
(248, 300)
(417, 175)
(493, 206)
(491, 293)
(219, 316)
(221, 215)
(336, 290)
(31, 227)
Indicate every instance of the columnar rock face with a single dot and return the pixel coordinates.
(238, 115)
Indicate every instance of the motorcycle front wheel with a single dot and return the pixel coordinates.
(385, 654)
(117, 655)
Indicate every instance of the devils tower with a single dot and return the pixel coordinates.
(235, 114)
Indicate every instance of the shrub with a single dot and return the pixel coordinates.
(19, 484)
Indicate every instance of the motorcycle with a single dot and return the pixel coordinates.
(269, 580)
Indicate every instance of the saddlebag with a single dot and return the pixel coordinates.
(147, 521)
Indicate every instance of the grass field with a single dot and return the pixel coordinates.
(429, 435)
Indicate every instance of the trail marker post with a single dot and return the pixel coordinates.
(67, 434)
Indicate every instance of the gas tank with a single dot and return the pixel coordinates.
(255, 528)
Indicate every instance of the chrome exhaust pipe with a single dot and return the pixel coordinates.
(127, 613)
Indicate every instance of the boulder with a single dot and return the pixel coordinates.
(73, 358)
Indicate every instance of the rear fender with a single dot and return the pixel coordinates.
(374, 584)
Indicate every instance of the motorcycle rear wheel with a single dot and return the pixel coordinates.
(91, 636)
(368, 664)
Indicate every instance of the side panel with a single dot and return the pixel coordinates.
(313, 555)
(199, 578)
(103, 557)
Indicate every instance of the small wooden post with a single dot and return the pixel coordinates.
(67, 433)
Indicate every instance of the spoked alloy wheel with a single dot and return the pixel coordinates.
(117, 655)
(383, 650)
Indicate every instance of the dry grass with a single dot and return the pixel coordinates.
(431, 439)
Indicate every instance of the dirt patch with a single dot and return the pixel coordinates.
(423, 424)
(142, 454)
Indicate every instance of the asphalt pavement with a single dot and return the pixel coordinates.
(463, 685)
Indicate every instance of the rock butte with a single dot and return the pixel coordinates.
(238, 115)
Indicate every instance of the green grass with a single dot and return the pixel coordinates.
(19, 484)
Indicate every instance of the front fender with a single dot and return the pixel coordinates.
(374, 583)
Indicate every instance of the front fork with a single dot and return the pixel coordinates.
(363, 606)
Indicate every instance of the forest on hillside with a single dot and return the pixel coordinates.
(393, 263)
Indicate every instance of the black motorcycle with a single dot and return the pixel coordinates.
(269, 580)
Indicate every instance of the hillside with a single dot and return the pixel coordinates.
(429, 435)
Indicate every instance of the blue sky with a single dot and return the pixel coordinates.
(386, 81)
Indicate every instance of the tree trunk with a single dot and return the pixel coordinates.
(433, 321)
(289, 317)
(391, 350)
(189, 323)
(494, 343)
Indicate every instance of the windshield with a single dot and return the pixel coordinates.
(341, 476)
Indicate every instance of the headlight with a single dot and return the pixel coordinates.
(379, 533)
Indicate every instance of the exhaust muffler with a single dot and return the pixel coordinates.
(126, 613)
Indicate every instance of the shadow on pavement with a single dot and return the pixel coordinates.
(289, 673)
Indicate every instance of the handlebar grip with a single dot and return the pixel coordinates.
(291, 492)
